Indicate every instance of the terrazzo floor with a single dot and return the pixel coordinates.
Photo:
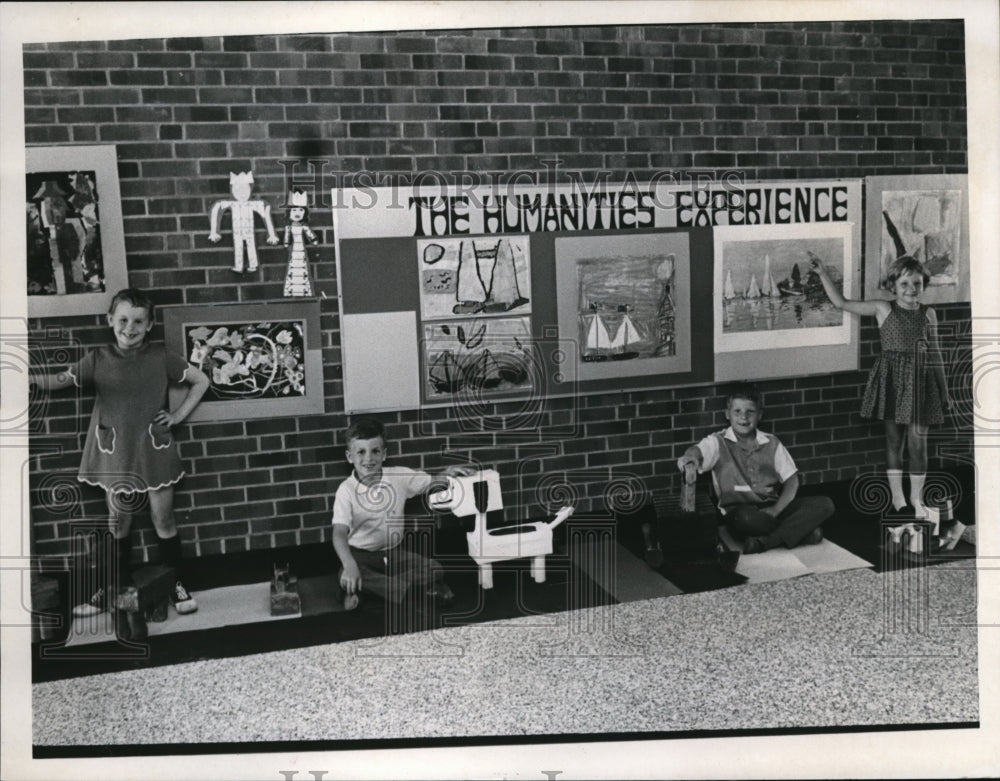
(846, 649)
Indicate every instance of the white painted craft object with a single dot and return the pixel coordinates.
(479, 494)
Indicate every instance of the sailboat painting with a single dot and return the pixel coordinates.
(625, 306)
(464, 360)
(624, 303)
(481, 276)
(769, 285)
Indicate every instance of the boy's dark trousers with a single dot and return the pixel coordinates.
(389, 573)
(789, 528)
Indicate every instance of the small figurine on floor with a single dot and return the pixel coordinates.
(242, 209)
(298, 232)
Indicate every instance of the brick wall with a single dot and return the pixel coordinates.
(816, 100)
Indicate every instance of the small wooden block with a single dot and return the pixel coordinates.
(286, 602)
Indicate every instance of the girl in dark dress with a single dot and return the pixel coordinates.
(129, 447)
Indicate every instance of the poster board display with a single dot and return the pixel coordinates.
(508, 291)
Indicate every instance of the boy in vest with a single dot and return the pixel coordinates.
(756, 481)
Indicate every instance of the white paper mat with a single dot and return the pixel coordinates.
(217, 607)
(781, 563)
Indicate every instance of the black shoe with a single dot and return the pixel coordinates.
(904, 513)
(753, 545)
(441, 593)
(813, 538)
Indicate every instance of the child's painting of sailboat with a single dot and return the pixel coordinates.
(624, 305)
(597, 340)
(626, 308)
(795, 303)
(627, 338)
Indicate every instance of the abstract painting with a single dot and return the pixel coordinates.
(73, 220)
(924, 217)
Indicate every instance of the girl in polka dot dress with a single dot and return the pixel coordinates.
(906, 388)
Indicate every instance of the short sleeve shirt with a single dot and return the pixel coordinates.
(374, 513)
(745, 473)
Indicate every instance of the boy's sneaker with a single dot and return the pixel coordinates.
(182, 600)
(98, 604)
(815, 537)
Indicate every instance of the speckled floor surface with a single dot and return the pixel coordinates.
(843, 649)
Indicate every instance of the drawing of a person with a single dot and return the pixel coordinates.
(297, 231)
(242, 210)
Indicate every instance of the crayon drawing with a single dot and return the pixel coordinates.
(467, 359)
(474, 276)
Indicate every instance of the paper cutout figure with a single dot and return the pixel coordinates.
(242, 210)
(297, 231)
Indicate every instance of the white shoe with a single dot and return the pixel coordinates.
(98, 604)
(182, 600)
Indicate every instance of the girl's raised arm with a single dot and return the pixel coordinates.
(878, 308)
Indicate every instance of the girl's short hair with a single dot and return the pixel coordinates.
(901, 266)
(137, 298)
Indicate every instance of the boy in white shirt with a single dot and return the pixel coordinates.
(368, 522)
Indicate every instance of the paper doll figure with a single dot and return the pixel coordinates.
(298, 232)
(243, 210)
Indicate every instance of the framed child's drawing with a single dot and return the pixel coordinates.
(262, 359)
(767, 293)
(925, 217)
(75, 242)
(624, 300)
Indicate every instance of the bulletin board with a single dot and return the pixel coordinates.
(466, 295)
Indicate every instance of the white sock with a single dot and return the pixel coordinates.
(896, 487)
(917, 493)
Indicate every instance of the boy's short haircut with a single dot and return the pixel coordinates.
(364, 428)
(746, 391)
(904, 264)
(137, 298)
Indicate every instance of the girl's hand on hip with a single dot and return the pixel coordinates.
(165, 418)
